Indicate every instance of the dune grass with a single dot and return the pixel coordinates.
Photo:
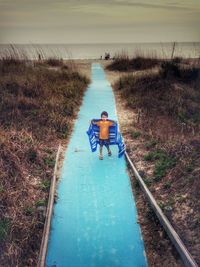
(37, 107)
(173, 91)
(168, 150)
(142, 61)
(125, 63)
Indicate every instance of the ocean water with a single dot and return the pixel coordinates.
(96, 51)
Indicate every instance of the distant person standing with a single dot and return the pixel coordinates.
(107, 56)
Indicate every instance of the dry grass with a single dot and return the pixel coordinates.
(173, 91)
(54, 62)
(37, 109)
(163, 108)
(125, 63)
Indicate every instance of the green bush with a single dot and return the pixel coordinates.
(158, 154)
(49, 161)
(45, 185)
(163, 162)
(29, 211)
(161, 167)
(167, 185)
(150, 144)
(135, 134)
(40, 202)
(4, 228)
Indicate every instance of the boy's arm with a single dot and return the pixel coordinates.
(95, 122)
(112, 122)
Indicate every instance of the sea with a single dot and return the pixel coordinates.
(97, 51)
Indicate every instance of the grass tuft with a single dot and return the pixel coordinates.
(124, 63)
(4, 228)
(163, 162)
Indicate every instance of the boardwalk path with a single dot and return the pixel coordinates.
(95, 218)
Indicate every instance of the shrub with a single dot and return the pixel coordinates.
(135, 134)
(163, 162)
(150, 144)
(169, 69)
(162, 165)
(40, 202)
(178, 96)
(4, 228)
(54, 62)
(124, 63)
(45, 185)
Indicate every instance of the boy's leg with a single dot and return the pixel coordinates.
(108, 148)
(109, 151)
(101, 148)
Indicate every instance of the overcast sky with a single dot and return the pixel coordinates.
(103, 21)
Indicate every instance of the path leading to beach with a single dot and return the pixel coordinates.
(95, 218)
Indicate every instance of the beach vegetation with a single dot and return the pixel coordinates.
(29, 210)
(168, 101)
(4, 228)
(125, 63)
(38, 105)
(167, 185)
(40, 202)
(135, 134)
(161, 167)
(45, 185)
(150, 144)
(173, 91)
(163, 161)
(54, 62)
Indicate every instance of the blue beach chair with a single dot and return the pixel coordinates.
(115, 137)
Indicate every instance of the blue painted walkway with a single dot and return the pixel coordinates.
(95, 218)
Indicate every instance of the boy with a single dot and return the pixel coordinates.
(104, 125)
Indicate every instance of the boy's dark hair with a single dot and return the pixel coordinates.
(104, 113)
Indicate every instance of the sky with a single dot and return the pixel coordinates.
(105, 21)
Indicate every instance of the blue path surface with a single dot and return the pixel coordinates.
(95, 218)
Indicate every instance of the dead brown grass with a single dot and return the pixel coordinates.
(37, 109)
(161, 142)
(138, 62)
(173, 91)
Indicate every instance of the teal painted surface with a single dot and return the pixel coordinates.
(95, 219)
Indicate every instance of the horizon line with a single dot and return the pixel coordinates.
(93, 43)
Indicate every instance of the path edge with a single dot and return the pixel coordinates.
(174, 237)
(44, 243)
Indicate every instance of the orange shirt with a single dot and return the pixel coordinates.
(104, 128)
